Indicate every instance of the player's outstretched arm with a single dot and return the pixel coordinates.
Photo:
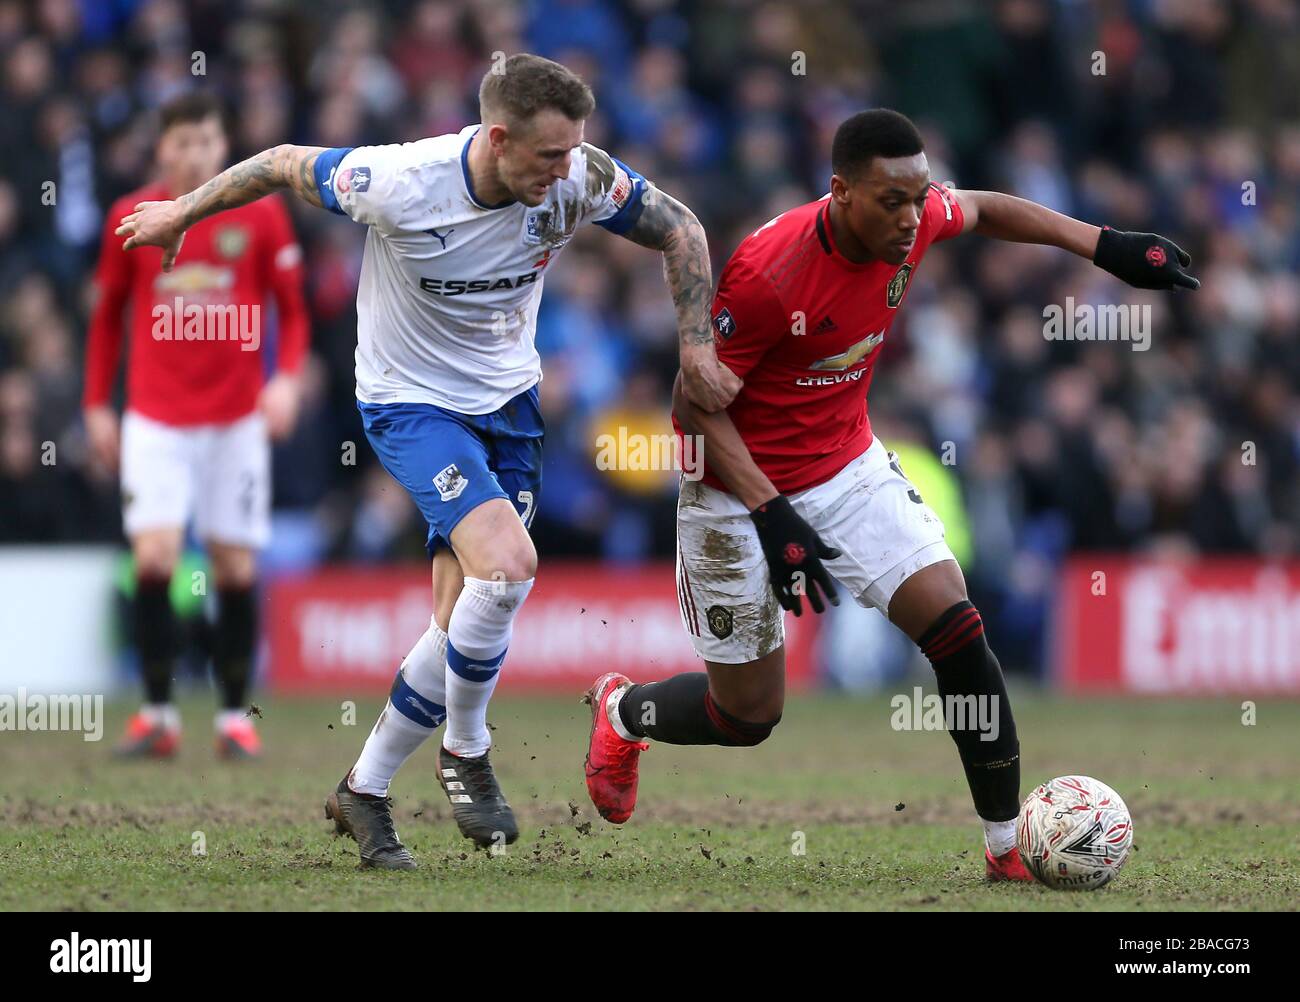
(1143, 260)
(667, 225)
(793, 550)
(163, 224)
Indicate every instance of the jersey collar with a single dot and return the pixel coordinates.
(826, 237)
(469, 185)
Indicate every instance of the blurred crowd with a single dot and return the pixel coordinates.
(1179, 116)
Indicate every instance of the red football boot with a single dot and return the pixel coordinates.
(1008, 866)
(611, 759)
(148, 738)
(237, 739)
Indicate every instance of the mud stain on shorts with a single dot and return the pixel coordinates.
(720, 556)
(691, 495)
(722, 559)
(768, 636)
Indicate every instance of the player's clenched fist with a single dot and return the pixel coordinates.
(794, 555)
(708, 384)
(154, 224)
(1144, 260)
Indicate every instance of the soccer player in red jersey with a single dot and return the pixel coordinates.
(194, 442)
(796, 490)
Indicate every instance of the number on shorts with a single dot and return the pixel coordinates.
(893, 465)
(526, 499)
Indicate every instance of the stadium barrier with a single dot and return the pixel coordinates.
(344, 629)
(57, 619)
(1178, 627)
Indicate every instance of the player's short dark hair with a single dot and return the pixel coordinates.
(879, 132)
(525, 84)
(196, 106)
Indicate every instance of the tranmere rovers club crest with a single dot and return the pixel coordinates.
(898, 286)
(538, 223)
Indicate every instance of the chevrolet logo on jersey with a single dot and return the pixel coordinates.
(848, 359)
(465, 286)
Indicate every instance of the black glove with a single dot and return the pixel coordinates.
(793, 548)
(1144, 260)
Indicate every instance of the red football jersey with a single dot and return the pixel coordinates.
(241, 257)
(802, 326)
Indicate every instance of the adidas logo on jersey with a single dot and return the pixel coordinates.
(826, 326)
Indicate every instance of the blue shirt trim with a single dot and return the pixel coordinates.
(323, 170)
(469, 185)
(625, 218)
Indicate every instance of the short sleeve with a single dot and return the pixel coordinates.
(367, 183)
(946, 210)
(748, 318)
(614, 191)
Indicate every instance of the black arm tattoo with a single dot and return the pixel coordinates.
(665, 224)
(281, 167)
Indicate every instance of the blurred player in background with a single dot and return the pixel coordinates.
(462, 228)
(794, 477)
(194, 441)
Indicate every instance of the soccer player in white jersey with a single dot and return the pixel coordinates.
(462, 229)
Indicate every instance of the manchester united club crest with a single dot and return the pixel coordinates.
(898, 286)
(720, 621)
(231, 241)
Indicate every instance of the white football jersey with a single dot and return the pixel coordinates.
(449, 289)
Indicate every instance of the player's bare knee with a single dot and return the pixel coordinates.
(514, 563)
(925, 596)
(752, 729)
(748, 715)
(232, 566)
(156, 555)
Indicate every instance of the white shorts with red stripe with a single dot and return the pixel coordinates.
(868, 511)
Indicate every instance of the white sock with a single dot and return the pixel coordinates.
(415, 708)
(615, 720)
(999, 836)
(225, 718)
(478, 635)
(162, 714)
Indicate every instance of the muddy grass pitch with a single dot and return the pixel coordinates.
(836, 811)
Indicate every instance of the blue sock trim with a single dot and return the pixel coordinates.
(413, 706)
(473, 669)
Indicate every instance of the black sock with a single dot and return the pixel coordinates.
(965, 666)
(155, 637)
(233, 645)
(680, 711)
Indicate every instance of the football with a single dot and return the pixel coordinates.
(1074, 833)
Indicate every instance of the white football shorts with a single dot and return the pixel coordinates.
(219, 474)
(869, 511)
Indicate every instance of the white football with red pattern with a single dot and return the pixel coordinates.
(1074, 833)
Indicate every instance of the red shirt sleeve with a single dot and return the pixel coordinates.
(107, 325)
(748, 317)
(283, 268)
(942, 204)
